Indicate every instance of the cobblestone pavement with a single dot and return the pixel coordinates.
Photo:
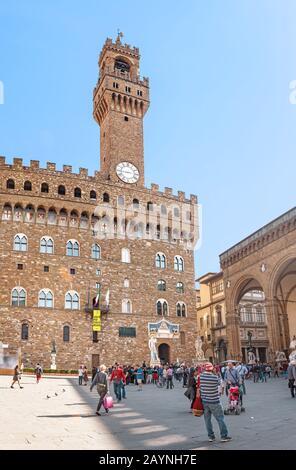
(58, 414)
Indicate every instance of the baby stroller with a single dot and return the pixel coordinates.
(234, 401)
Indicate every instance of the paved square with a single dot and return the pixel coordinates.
(151, 419)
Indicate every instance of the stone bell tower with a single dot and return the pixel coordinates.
(120, 102)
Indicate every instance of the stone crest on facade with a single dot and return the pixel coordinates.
(164, 329)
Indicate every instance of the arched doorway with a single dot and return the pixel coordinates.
(164, 353)
(285, 301)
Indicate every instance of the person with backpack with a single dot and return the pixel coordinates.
(38, 372)
(101, 382)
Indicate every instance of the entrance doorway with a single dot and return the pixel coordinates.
(164, 353)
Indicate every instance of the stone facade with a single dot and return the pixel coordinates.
(265, 261)
(34, 206)
(211, 313)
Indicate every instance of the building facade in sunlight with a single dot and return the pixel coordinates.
(72, 244)
(260, 291)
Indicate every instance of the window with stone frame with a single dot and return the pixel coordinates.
(45, 298)
(125, 255)
(127, 331)
(25, 332)
(180, 288)
(126, 306)
(178, 263)
(72, 248)
(72, 300)
(162, 307)
(66, 334)
(18, 297)
(10, 184)
(96, 251)
(181, 309)
(46, 245)
(160, 261)
(218, 310)
(161, 285)
(20, 242)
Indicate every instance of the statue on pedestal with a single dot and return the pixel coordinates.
(53, 355)
(200, 356)
(154, 359)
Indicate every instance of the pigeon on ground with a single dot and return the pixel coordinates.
(47, 396)
(56, 394)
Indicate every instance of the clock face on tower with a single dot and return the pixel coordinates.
(127, 172)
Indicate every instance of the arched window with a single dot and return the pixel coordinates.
(44, 188)
(18, 297)
(163, 209)
(93, 195)
(120, 200)
(18, 213)
(46, 245)
(136, 204)
(66, 334)
(218, 309)
(178, 263)
(176, 212)
(126, 283)
(7, 212)
(52, 216)
(180, 287)
(182, 338)
(84, 220)
(106, 197)
(96, 251)
(149, 206)
(162, 307)
(161, 285)
(28, 186)
(45, 298)
(160, 261)
(77, 192)
(181, 309)
(126, 306)
(20, 242)
(125, 255)
(29, 213)
(72, 248)
(10, 184)
(61, 190)
(72, 300)
(25, 332)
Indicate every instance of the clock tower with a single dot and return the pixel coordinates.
(120, 101)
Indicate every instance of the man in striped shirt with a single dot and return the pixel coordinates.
(209, 391)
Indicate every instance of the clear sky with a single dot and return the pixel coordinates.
(220, 123)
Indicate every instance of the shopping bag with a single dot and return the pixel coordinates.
(197, 407)
(108, 402)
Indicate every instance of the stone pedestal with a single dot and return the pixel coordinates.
(53, 365)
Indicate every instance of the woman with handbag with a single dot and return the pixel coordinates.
(197, 406)
(101, 381)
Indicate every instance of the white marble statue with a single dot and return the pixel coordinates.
(251, 357)
(198, 348)
(153, 351)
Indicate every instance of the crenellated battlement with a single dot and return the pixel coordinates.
(67, 171)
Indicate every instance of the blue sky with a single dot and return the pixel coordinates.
(220, 123)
